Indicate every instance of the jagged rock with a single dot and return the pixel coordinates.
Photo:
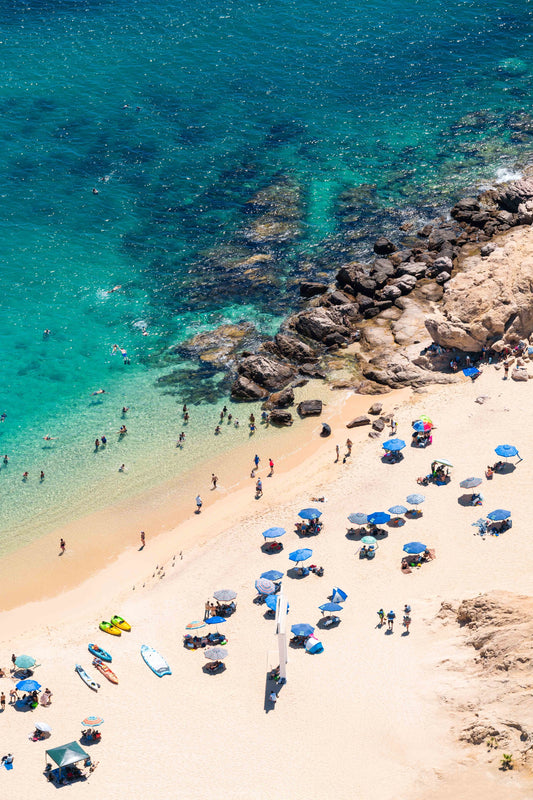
(310, 288)
(373, 434)
(278, 417)
(294, 349)
(310, 408)
(245, 389)
(338, 298)
(440, 237)
(266, 371)
(218, 346)
(490, 300)
(282, 399)
(463, 210)
(384, 246)
(364, 302)
(378, 425)
(375, 409)
(519, 374)
(396, 369)
(512, 195)
(415, 268)
(358, 422)
(299, 382)
(425, 231)
(391, 292)
(443, 264)
(487, 249)
(405, 284)
(381, 271)
(443, 277)
(318, 323)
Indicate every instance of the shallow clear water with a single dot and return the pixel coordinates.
(177, 114)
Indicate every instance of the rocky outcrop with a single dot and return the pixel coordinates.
(278, 212)
(279, 417)
(322, 325)
(376, 409)
(310, 408)
(266, 371)
(218, 346)
(282, 399)
(312, 288)
(245, 389)
(489, 302)
(293, 349)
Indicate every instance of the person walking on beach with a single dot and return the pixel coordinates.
(271, 465)
(406, 622)
(349, 445)
(3, 701)
(13, 660)
(259, 488)
(198, 504)
(338, 452)
(214, 480)
(505, 371)
(6, 459)
(62, 545)
(256, 461)
(393, 426)
(143, 539)
(42, 476)
(391, 616)
(96, 444)
(381, 615)
(13, 696)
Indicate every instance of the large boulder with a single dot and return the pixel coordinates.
(294, 349)
(282, 399)
(319, 323)
(310, 408)
(384, 246)
(218, 346)
(245, 389)
(358, 422)
(279, 417)
(311, 288)
(266, 371)
(514, 194)
(490, 300)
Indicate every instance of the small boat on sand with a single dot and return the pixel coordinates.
(105, 670)
(118, 622)
(108, 627)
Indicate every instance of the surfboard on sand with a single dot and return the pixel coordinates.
(155, 661)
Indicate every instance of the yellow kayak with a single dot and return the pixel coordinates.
(108, 627)
(118, 622)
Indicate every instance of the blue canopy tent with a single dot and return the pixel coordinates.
(338, 595)
(499, 515)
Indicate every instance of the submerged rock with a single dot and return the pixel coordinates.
(218, 346)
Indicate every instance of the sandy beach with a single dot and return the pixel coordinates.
(372, 715)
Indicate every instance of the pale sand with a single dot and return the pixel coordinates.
(366, 718)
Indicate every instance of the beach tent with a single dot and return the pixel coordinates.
(67, 754)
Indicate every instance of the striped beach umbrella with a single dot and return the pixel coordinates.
(196, 623)
(92, 722)
(265, 586)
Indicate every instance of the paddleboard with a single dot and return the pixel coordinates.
(118, 622)
(107, 627)
(99, 652)
(155, 661)
(104, 669)
(86, 679)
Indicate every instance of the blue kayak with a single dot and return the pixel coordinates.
(99, 652)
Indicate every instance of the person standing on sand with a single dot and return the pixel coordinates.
(256, 461)
(271, 465)
(391, 616)
(505, 371)
(62, 545)
(338, 452)
(349, 445)
(381, 615)
(259, 488)
(393, 426)
(3, 701)
(214, 480)
(13, 696)
(13, 660)
(406, 622)
(143, 539)
(198, 504)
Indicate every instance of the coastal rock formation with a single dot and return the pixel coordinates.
(266, 371)
(220, 345)
(490, 300)
(279, 417)
(278, 212)
(312, 288)
(358, 422)
(310, 408)
(293, 349)
(321, 324)
(245, 389)
(282, 399)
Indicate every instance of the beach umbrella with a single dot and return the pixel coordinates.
(92, 722)
(28, 686)
(415, 499)
(214, 620)
(397, 511)
(302, 629)
(43, 726)
(25, 662)
(414, 548)
(358, 519)
(443, 461)
(369, 540)
(216, 653)
(422, 426)
(330, 607)
(196, 623)
(272, 575)
(394, 445)
(272, 601)
(301, 555)
(309, 513)
(273, 533)
(265, 586)
(506, 450)
(469, 372)
(499, 515)
(425, 418)
(378, 518)
(338, 595)
(225, 595)
(470, 483)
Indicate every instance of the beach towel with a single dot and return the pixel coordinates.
(8, 765)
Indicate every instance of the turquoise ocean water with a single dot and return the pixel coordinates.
(177, 114)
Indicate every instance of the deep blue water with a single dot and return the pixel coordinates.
(177, 114)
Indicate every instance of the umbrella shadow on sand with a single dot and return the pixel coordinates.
(356, 533)
(465, 500)
(294, 572)
(505, 469)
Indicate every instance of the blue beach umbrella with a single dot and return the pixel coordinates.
(397, 511)
(499, 515)
(506, 450)
(330, 607)
(394, 444)
(265, 586)
(272, 575)
(28, 686)
(338, 595)
(414, 548)
(301, 555)
(309, 513)
(415, 499)
(358, 518)
(214, 620)
(470, 483)
(302, 629)
(272, 601)
(273, 533)
(370, 541)
(25, 662)
(378, 518)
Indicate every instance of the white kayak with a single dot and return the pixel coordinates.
(155, 661)
(87, 679)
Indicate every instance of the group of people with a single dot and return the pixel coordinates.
(391, 616)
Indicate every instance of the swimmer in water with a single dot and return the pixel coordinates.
(49, 438)
(98, 391)
(122, 468)
(3, 416)
(114, 289)
(115, 348)
(46, 332)
(6, 459)
(125, 409)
